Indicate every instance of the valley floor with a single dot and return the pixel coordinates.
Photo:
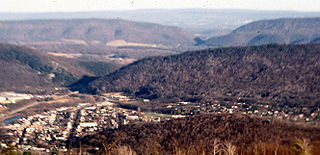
(57, 122)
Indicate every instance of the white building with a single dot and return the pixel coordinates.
(88, 124)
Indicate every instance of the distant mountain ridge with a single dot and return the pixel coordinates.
(206, 22)
(110, 40)
(91, 32)
(280, 31)
(275, 73)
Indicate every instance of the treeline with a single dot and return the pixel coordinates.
(204, 134)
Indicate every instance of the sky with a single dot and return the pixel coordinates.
(100, 5)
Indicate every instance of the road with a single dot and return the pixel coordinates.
(11, 113)
(23, 108)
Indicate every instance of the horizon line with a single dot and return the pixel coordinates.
(154, 9)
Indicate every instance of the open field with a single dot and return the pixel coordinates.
(119, 43)
(67, 55)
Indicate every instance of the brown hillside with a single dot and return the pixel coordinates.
(26, 69)
(91, 31)
(281, 31)
(198, 133)
(288, 74)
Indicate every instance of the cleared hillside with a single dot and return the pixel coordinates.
(25, 69)
(280, 31)
(202, 134)
(288, 74)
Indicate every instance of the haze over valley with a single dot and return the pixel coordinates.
(203, 22)
(160, 81)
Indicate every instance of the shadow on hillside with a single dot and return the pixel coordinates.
(82, 84)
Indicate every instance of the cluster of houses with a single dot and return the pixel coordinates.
(42, 131)
(305, 114)
(95, 118)
(105, 115)
(52, 129)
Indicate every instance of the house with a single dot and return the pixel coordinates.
(88, 124)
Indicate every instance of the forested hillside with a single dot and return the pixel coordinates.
(206, 134)
(25, 69)
(91, 32)
(109, 40)
(281, 31)
(288, 74)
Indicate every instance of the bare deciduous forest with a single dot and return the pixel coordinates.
(206, 134)
(282, 74)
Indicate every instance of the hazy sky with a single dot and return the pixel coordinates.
(92, 5)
